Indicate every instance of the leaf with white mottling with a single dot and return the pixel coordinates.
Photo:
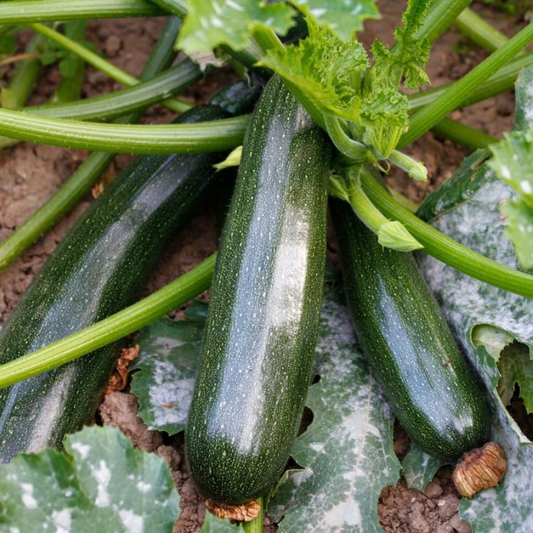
(484, 319)
(166, 369)
(344, 17)
(102, 483)
(347, 452)
(230, 22)
(419, 468)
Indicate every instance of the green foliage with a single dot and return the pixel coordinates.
(344, 17)
(166, 369)
(222, 22)
(68, 62)
(102, 483)
(327, 69)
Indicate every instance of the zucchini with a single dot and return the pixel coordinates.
(431, 388)
(97, 270)
(264, 310)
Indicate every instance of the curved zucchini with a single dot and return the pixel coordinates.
(264, 310)
(97, 270)
(426, 379)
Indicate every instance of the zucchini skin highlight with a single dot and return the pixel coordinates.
(97, 270)
(430, 386)
(265, 305)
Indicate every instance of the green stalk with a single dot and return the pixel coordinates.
(88, 173)
(446, 249)
(430, 115)
(100, 63)
(111, 329)
(214, 136)
(26, 74)
(69, 88)
(480, 31)
(112, 105)
(501, 81)
(255, 525)
(26, 11)
(440, 17)
(247, 57)
(462, 134)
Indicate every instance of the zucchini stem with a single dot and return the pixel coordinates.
(390, 234)
(446, 249)
(480, 31)
(27, 11)
(214, 136)
(117, 326)
(433, 113)
(463, 134)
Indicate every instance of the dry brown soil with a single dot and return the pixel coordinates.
(29, 174)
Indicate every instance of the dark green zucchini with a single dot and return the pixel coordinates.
(265, 304)
(97, 270)
(431, 388)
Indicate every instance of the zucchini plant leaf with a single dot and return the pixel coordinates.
(212, 524)
(230, 22)
(101, 483)
(486, 320)
(166, 369)
(346, 453)
(513, 163)
(344, 17)
(419, 468)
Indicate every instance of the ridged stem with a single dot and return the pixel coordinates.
(480, 31)
(446, 249)
(111, 329)
(214, 136)
(433, 113)
(462, 134)
(27, 11)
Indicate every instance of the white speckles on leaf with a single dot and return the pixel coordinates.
(94, 486)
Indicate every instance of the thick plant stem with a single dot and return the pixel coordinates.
(26, 74)
(27, 11)
(219, 135)
(255, 525)
(441, 16)
(87, 174)
(480, 31)
(111, 329)
(501, 81)
(462, 134)
(446, 249)
(101, 64)
(118, 103)
(429, 116)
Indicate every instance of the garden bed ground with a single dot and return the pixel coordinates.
(30, 174)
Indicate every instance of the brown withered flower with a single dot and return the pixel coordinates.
(480, 469)
(236, 513)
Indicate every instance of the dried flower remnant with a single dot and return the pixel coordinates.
(480, 469)
(242, 513)
(119, 379)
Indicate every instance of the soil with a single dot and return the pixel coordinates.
(30, 174)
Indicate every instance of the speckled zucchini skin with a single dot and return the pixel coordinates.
(431, 388)
(265, 305)
(97, 270)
